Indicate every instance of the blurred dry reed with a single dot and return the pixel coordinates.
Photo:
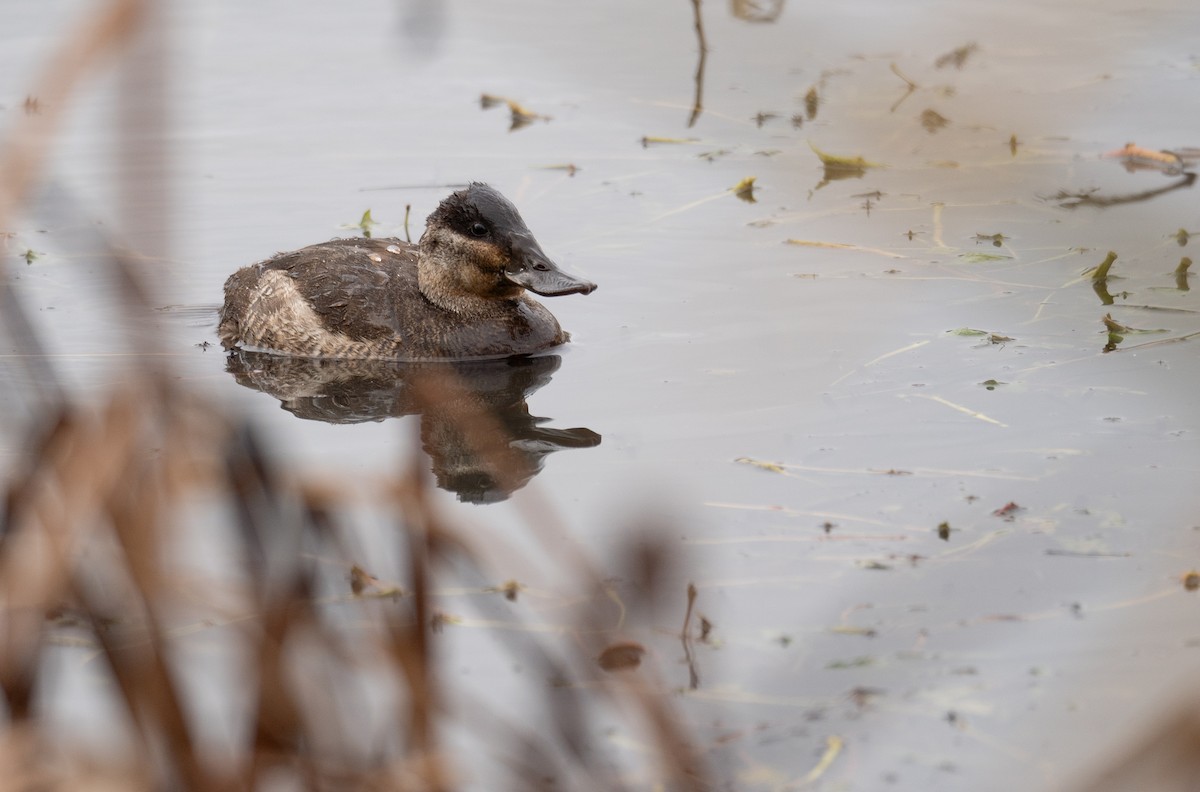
(115, 496)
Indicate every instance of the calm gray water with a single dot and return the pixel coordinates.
(1004, 656)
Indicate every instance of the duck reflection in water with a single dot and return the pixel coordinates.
(457, 402)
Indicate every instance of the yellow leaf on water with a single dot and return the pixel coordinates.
(745, 189)
(758, 463)
(837, 162)
(648, 139)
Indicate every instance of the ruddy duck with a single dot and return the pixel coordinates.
(458, 294)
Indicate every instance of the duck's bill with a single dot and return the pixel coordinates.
(534, 270)
(549, 281)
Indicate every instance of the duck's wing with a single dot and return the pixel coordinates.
(353, 284)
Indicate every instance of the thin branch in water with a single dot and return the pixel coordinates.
(1068, 200)
(698, 102)
(686, 638)
(912, 87)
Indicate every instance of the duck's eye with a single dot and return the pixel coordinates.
(479, 229)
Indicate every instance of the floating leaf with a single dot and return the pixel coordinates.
(1101, 272)
(957, 57)
(745, 190)
(624, 656)
(440, 619)
(1007, 511)
(812, 103)
(836, 162)
(361, 580)
(758, 463)
(648, 139)
(1181, 274)
(1112, 326)
(510, 589)
(364, 584)
(364, 225)
(982, 258)
(1138, 158)
(932, 120)
(521, 115)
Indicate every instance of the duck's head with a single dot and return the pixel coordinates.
(475, 243)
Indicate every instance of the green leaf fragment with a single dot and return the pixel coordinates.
(1101, 272)
(1113, 326)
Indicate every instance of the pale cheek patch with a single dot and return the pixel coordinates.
(482, 274)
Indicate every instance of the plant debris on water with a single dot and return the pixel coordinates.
(932, 120)
(997, 240)
(976, 257)
(1008, 511)
(521, 116)
(237, 599)
(1136, 157)
(364, 226)
(758, 463)
(745, 189)
(837, 162)
(648, 140)
(956, 57)
(1100, 271)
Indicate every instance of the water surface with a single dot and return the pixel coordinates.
(800, 417)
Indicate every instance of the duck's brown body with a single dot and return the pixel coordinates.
(460, 294)
(359, 298)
